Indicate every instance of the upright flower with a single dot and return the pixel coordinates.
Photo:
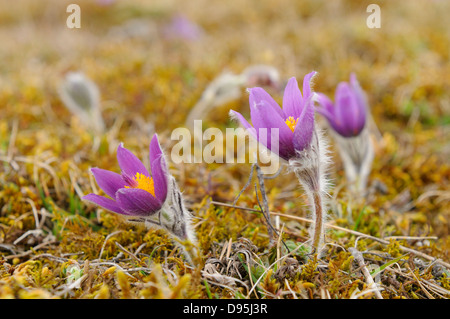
(294, 122)
(347, 117)
(152, 198)
(299, 143)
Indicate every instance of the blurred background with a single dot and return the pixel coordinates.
(143, 61)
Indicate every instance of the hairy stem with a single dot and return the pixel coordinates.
(357, 155)
(318, 221)
(309, 166)
(318, 210)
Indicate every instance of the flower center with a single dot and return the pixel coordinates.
(291, 123)
(144, 182)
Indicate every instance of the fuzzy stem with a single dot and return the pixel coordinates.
(318, 223)
(357, 155)
(179, 227)
(318, 212)
(309, 167)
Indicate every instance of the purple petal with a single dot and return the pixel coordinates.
(108, 181)
(346, 110)
(307, 84)
(264, 118)
(155, 148)
(361, 98)
(305, 127)
(292, 99)
(160, 176)
(129, 163)
(104, 202)
(257, 95)
(326, 109)
(325, 104)
(238, 116)
(137, 202)
(328, 115)
(159, 169)
(357, 89)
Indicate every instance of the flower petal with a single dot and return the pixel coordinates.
(104, 202)
(305, 127)
(160, 175)
(238, 116)
(292, 99)
(361, 98)
(359, 93)
(346, 110)
(257, 95)
(264, 118)
(307, 84)
(159, 169)
(137, 202)
(129, 163)
(108, 181)
(155, 148)
(325, 105)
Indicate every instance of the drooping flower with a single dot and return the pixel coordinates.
(347, 115)
(295, 121)
(134, 192)
(152, 198)
(348, 118)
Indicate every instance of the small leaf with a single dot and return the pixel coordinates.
(381, 268)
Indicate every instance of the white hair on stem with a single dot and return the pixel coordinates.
(176, 220)
(310, 166)
(357, 154)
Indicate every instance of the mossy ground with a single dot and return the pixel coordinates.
(53, 245)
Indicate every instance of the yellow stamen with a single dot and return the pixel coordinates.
(291, 123)
(144, 182)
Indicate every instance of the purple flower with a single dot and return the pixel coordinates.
(182, 28)
(295, 121)
(347, 116)
(134, 192)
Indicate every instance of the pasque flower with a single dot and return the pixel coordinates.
(294, 122)
(299, 142)
(152, 198)
(134, 192)
(348, 117)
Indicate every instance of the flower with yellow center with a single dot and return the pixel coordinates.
(291, 123)
(136, 191)
(144, 182)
